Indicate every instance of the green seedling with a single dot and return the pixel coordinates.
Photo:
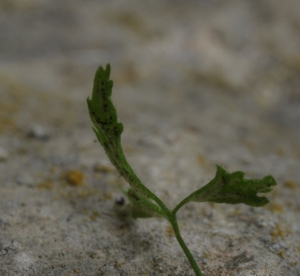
(225, 187)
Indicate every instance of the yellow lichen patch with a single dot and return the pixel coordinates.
(281, 254)
(201, 160)
(276, 207)
(107, 196)
(280, 152)
(207, 255)
(278, 232)
(118, 264)
(293, 264)
(6, 117)
(6, 123)
(75, 178)
(45, 185)
(290, 184)
(169, 231)
(298, 248)
(94, 215)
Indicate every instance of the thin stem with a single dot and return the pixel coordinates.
(179, 205)
(133, 180)
(184, 247)
(168, 214)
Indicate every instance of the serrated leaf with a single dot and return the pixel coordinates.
(233, 188)
(108, 130)
(104, 116)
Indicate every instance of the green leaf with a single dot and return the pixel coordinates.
(104, 116)
(108, 130)
(106, 126)
(233, 188)
(226, 187)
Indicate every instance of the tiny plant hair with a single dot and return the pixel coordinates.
(225, 187)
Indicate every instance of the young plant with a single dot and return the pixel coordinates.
(225, 187)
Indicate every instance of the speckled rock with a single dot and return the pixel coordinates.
(196, 84)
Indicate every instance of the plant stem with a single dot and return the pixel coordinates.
(187, 252)
(179, 205)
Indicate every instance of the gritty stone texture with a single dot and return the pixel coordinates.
(196, 84)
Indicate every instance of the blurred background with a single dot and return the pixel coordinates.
(182, 53)
(214, 81)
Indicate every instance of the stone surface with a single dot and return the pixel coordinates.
(199, 84)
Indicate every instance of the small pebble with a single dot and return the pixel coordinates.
(120, 201)
(38, 132)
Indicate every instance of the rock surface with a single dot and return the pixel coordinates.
(196, 84)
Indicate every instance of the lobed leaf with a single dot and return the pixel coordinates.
(233, 188)
(108, 130)
(104, 116)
